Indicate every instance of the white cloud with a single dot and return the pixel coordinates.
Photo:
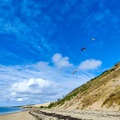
(39, 82)
(60, 61)
(35, 86)
(20, 99)
(90, 64)
(13, 93)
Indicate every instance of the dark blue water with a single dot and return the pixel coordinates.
(6, 110)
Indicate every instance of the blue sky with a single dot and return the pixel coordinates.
(40, 46)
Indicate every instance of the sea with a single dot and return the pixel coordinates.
(7, 110)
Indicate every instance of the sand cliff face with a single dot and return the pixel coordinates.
(100, 93)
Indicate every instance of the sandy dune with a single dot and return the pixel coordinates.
(44, 104)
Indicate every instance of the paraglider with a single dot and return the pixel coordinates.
(74, 71)
(83, 49)
(93, 38)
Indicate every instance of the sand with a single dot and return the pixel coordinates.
(84, 115)
(78, 114)
(18, 116)
(39, 105)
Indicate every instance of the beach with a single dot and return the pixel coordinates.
(17, 116)
(61, 115)
(76, 114)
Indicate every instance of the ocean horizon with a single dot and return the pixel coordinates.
(9, 109)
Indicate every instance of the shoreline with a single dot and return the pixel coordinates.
(16, 111)
(6, 113)
(9, 113)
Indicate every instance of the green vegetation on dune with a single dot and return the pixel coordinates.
(75, 92)
(92, 91)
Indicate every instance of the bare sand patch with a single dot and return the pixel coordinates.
(18, 116)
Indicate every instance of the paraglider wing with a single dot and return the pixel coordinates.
(74, 71)
(83, 49)
(93, 38)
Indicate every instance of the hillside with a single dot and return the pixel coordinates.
(100, 93)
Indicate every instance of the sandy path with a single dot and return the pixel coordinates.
(18, 116)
